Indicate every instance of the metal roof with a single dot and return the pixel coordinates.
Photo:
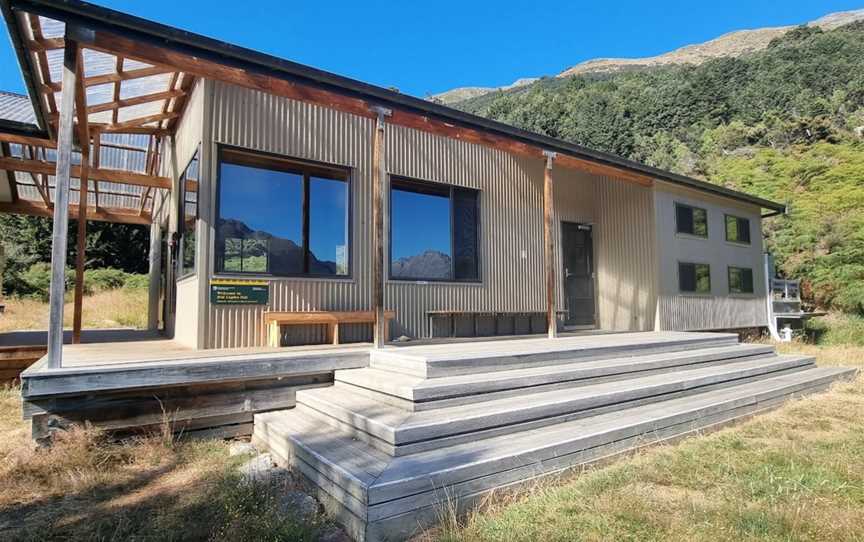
(16, 108)
(99, 18)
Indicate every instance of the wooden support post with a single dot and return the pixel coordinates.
(61, 205)
(380, 330)
(549, 245)
(83, 188)
(155, 273)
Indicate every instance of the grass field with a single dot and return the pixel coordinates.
(122, 307)
(152, 488)
(794, 474)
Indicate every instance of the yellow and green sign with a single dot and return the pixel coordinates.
(239, 292)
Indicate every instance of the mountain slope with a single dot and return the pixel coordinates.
(785, 122)
(733, 44)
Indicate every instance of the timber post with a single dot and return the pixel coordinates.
(155, 275)
(380, 329)
(60, 228)
(83, 189)
(549, 244)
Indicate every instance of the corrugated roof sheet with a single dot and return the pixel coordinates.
(16, 107)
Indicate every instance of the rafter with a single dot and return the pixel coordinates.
(118, 67)
(137, 100)
(104, 214)
(108, 175)
(134, 123)
(117, 77)
(42, 61)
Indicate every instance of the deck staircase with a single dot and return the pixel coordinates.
(387, 446)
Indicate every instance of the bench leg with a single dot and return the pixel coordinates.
(274, 335)
(333, 333)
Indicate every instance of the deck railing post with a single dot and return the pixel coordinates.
(379, 181)
(60, 228)
(549, 244)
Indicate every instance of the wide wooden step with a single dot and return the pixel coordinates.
(417, 393)
(400, 432)
(377, 497)
(436, 361)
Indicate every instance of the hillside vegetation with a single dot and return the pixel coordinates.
(784, 123)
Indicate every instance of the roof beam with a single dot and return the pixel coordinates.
(40, 44)
(118, 67)
(117, 77)
(116, 215)
(134, 123)
(27, 140)
(42, 61)
(137, 100)
(108, 175)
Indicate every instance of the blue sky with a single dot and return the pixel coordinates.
(423, 47)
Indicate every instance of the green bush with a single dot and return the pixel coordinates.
(99, 280)
(37, 280)
(136, 282)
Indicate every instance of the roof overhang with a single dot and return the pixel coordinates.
(253, 63)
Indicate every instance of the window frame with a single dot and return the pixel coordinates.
(729, 269)
(286, 164)
(181, 217)
(678, 205)
(441, 188)
(694, 292)
(726, 217)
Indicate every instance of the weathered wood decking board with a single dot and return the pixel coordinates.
(15, 359)
(137, 386)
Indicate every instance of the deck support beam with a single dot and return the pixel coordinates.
(155, 274)
(60, 229)
(380, 331)
(549, 244)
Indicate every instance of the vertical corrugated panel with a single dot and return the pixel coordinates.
(511, 215)
(625, 255)
(693, 313)
(574, 202)
(263, 122)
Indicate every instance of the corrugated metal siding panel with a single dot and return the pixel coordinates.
(511, 215)
(693, 313)
(260, 121)
(574, 202)
(624, 248)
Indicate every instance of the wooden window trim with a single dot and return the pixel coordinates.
(306, 170)
(439, 189)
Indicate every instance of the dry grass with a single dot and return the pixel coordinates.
(794, 474)
(107, 309)
(87, 487)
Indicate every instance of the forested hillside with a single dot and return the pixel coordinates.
(785, 123)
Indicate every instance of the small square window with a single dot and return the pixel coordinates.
(694, 278)
(737, 229)
(740, 280)
(691, 220)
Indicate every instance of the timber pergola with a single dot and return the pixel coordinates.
(163, 62)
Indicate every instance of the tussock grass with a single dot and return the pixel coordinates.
(796, 473)
(88, 487)
(122, 307)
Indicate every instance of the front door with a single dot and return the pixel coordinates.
(578, 274)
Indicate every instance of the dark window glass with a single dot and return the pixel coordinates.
(694, 278)
(189, 211)
(740, 280)
(691, 220)
(433, 232)
(737, 229)
(278, 218)
(465, 220)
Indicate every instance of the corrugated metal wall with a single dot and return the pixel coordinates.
(625, 255)
(511, 215)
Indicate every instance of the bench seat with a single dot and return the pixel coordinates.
(273, 322)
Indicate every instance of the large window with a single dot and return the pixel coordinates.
(280, 217)
(737, 229)
(188, 227)
(433, 232)
(694, 278)
(691, 220)
(740, 280)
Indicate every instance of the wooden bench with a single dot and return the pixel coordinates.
(453, 314)
(273, 322)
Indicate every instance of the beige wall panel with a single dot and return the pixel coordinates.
(719, 310)
(624, 251)
(574, 202)
(186, 324)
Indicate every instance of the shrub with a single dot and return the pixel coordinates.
(136, 282)
(37, 280)
(99, 280)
